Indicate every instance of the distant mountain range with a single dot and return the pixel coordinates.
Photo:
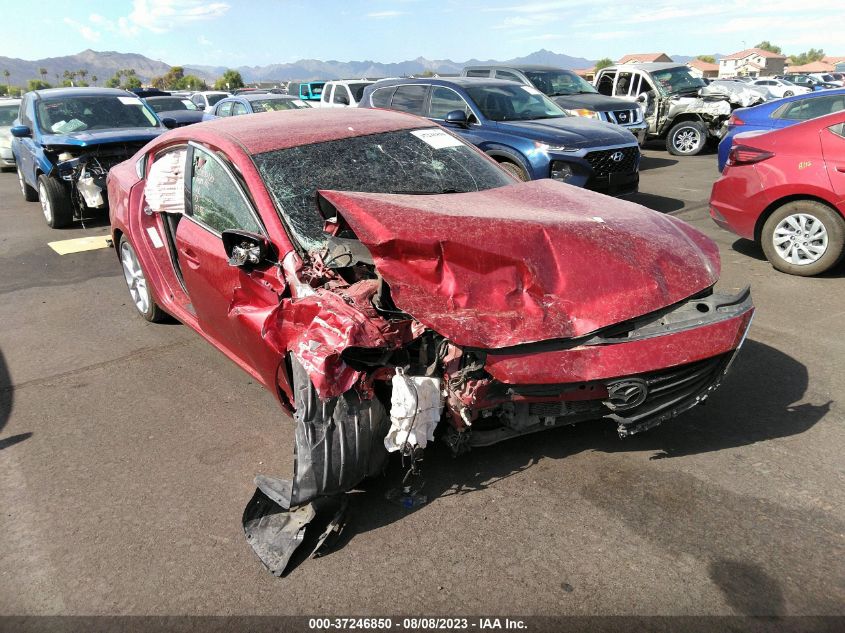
(103, 64)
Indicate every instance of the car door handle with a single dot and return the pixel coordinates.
(840, 169)
(191, 257)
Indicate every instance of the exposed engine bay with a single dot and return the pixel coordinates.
(84, 170)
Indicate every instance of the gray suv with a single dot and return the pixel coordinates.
(570, 92)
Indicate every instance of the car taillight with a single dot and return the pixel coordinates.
(744, 155)
(735, 120)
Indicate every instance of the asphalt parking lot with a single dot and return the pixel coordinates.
(127, 452)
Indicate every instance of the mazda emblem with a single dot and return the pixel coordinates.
(626, 394)
(617, 156)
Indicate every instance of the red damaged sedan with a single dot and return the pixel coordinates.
(384, 278)
(786, 190)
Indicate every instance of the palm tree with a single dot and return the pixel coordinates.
(6, 74)
(94, 79)
(43, 72)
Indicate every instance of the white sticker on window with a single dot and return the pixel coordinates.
(531, 90)
(130, 100)
(301, 104)
(155, 237)
(438, 139)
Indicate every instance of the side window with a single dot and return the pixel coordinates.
(478, 73)
(24, 112)
(623, 84)
(506, 74)
(341, 95)
(381, 98)
(838, 129)
(409, 98)
(444, 101)
(225, 109)
(238, 108)
(605, 84)
(810, 108)
(635, 85)
(198, 101)
(216, 200)
(327, 92)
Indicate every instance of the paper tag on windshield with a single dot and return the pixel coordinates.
(531, 90)
(301, 104)
(130, 100)
(438, 139)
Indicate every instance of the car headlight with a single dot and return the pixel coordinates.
(546, 148)
(560, 170)
(590, 114)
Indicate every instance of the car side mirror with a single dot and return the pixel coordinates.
(20, 131)
(458, 118)
(169, 122)
(245, 249)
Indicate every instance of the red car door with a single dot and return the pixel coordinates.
(230, 303)
(833, 148)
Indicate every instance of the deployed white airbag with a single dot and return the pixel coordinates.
(165, 188)
(416, 406)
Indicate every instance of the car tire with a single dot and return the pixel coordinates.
(686, 138)
(29, 193)
(788, 93)
(514, 170)
(797, 225)
(55, 202)
(136, 282)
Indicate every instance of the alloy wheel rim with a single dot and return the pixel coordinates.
(45, 203)
(135, 279)
(800, 239)
(686, 139)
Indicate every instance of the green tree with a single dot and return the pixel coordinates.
(231, 80)
(43, 72)
(707, 58)
(812, 55)
(37, 84)
(132, 82)
(766, 45)
(604, 62)
(6, 74)
(192, 82)
(94, 79)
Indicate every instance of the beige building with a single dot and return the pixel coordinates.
(707, 70)
(644, 58)
(752, 62)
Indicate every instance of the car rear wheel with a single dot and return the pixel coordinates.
(55, 202)
(514, 170)
(804, 238)
(29, 193)
(136, 281)
(687, 138)
(788, 93)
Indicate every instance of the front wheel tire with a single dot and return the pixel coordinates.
(514, 170)
(687, 138)
(136, 281)
(55, 202)
(804, 238)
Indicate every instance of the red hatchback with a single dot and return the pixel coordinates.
(382, 277)
(786, 190)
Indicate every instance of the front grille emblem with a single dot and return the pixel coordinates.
(617, 157)
(626, 394)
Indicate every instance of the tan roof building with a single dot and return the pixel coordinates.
(643, 58)
(703, 69)
(754, 62)
(813, 67)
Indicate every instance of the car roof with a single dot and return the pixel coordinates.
(516, 67)
(457, 81)
(777, 103)
(647, 67)
(346, 82)
(49, 93)
(270, 131)
(255, 96)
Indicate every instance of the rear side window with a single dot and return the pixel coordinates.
(225, 109)
(409, 98)
(810, 108)
(605, 85)
(381, 98)
(340, 95)
(238, 108)
(506, 74)
(622, 85)
(838, 129)
(216, 201)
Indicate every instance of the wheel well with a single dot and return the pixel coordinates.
(777, 204)
(116, 235)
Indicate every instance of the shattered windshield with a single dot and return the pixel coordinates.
(425, 161)
(64, 115)
(674, 80)
(513, 103)
(557, 83)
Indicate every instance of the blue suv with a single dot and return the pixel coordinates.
(522, 129)
(66, 140)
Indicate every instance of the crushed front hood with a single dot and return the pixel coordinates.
(528, 262)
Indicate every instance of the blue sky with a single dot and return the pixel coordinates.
(259, 32)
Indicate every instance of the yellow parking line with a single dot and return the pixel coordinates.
(80, 244)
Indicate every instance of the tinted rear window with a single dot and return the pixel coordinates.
(409, 99)
(381, 97)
